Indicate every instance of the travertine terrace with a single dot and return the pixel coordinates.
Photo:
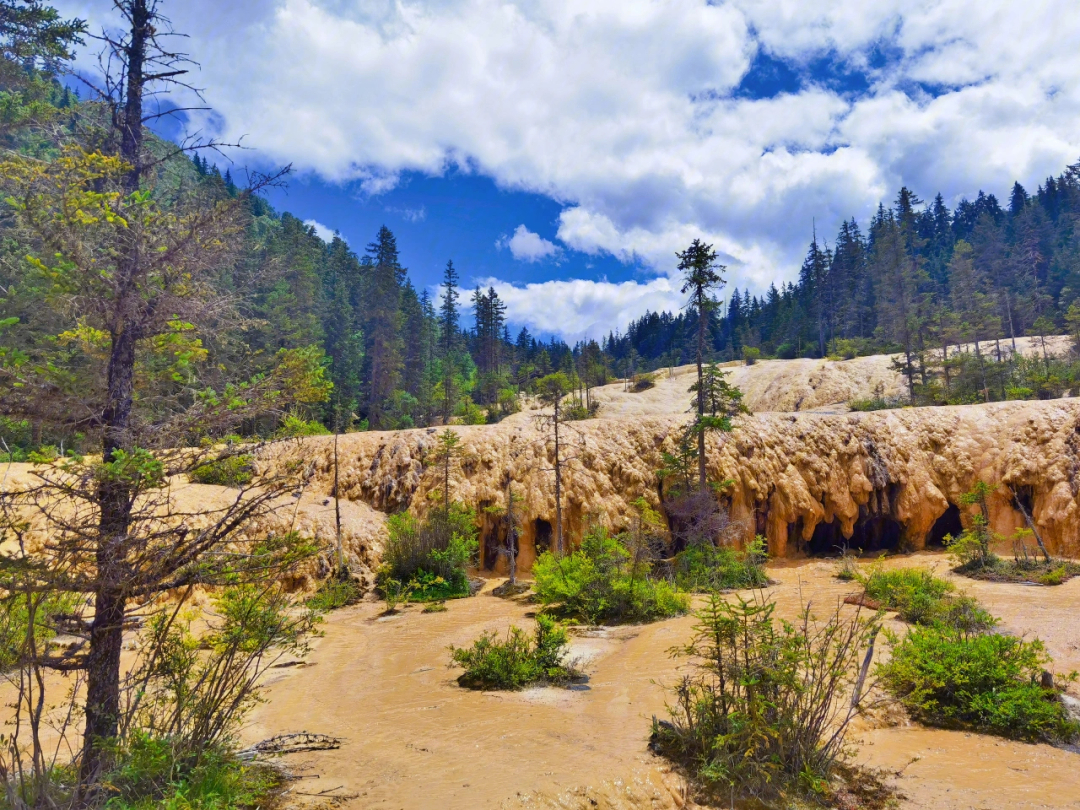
(806, 474)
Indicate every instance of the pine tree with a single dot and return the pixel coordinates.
(449, 340)
(344, 337)
(701, 275)
(814, 280)
(383, 326)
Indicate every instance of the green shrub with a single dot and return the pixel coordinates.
(294, 425)
(750, 355)
(516, 662)
(843, 349)
(151, 774)
(786, 351)
(718, 568)
(334, 593)
(575, 410)
(428, 558)
(766, 709)
(1019, 392)
(643, 382)
(230, 471)
(919, 597)
(471, 414)
(48, 611)
(1055, 576)
(604, 581)
(987, 682)
(847, 570)
(875, 404)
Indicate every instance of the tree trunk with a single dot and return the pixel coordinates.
(511, 531)
(1031, 525)
(909, 371)
(1012, 330)
(114, 498)
(982, 370)
(945, 364)
(337, 499)
(701, 390)
(102, 705)
(558, 489)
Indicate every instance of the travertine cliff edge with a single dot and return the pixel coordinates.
(807, 481)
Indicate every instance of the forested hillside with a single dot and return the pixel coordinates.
(922, 281)
(948, 291)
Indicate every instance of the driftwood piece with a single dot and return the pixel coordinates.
(862, 600)
(291, 744)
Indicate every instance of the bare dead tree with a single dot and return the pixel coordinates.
(553, 389)
(138, 265)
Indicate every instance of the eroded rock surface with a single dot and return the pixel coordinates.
(807, 481)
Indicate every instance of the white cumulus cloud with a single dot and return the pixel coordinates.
(582, 308)
(527, 246)
(625, 110)
(321, 231)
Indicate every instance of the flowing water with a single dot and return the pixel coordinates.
(414, 739)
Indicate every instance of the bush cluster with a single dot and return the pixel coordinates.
(426, 559)
(333, 593)
(231, 471)
(919, 597)
(705, 567)
(605, 581)
(150, 773)
(766, 712)
(517, 661)
(947, 676)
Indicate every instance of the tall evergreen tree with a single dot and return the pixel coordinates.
(701, 275)
(383, 326)
(450, 338)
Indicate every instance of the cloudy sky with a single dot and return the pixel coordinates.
(563, 150)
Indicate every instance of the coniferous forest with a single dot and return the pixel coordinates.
(948, 290)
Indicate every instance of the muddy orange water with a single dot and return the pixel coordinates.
(414, 739)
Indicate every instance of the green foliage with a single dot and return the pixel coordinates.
(723, 401)
(334, 593)
(878, 402)
(842, 349)
(137, 468)
(575, 410)
(197, 688)
(469, 413)
(18, 610)
(600, 582)
(972, 547)
(751, 354)
(874, 404)
(516, 662)
(987, 682)
(920, 597)
(229, 471)
(552, 388)
(294, 425)
(766, 710)
(428, 559)
(705, 567)
(151, 774)
(847, 570)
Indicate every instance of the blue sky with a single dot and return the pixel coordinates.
(563, 150)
